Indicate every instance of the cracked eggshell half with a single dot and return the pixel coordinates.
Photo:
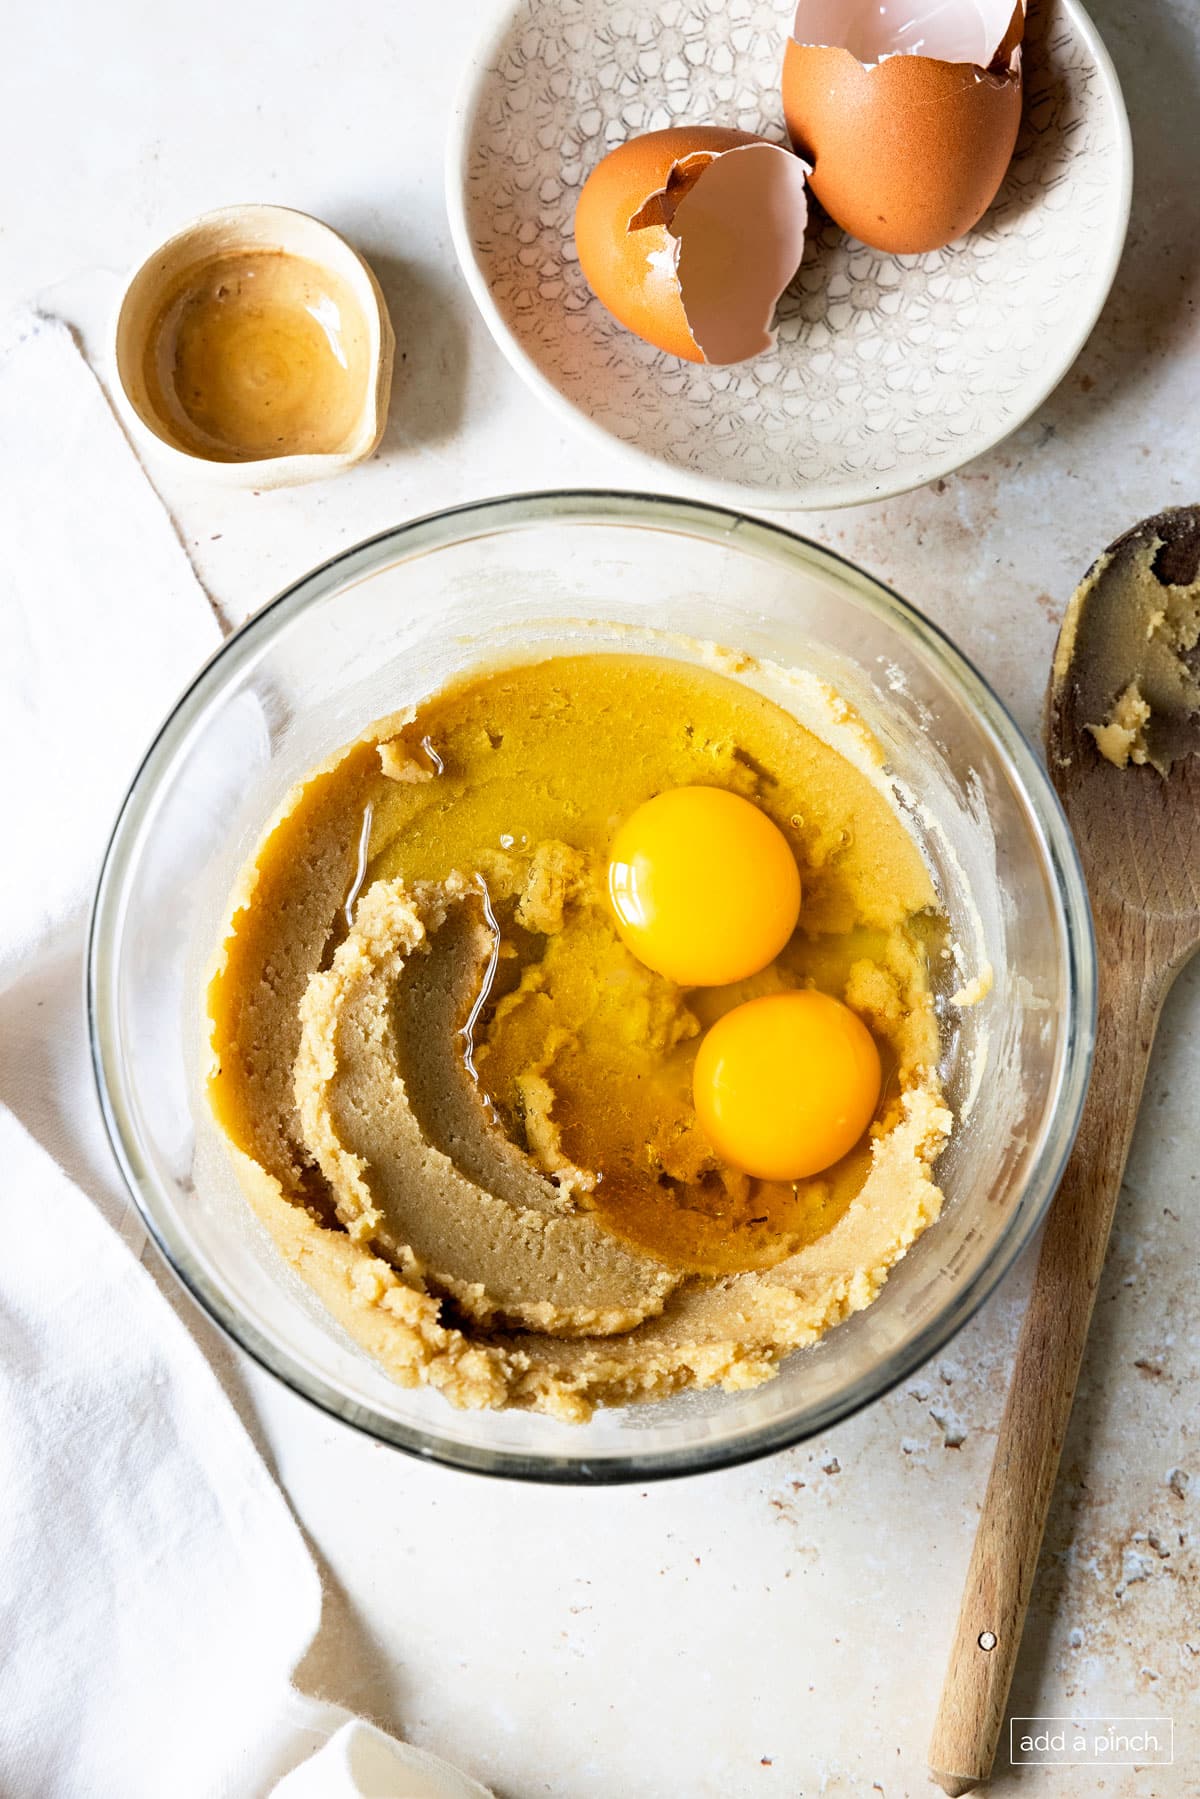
(689, 237)
(907, 110)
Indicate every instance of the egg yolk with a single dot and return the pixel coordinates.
(704, 886)
(785, 1086)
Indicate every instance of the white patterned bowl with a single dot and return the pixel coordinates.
(889, 371)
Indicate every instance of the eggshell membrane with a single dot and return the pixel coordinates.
(957, 31)
(741, 236)
(908, 153)
(689, 236)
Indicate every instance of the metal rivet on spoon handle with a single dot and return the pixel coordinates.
(1127, 658)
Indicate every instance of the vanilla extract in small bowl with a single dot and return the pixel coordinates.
(259, 354)
(257, 342)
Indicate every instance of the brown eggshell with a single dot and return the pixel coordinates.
(908, 154)
(633, 272)
(697, 213)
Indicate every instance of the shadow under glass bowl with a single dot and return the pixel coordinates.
(394, 619)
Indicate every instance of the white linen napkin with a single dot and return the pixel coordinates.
(155, 1593)
(101, 623)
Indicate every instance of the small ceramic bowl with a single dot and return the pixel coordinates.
(258, 228)
(888, 371)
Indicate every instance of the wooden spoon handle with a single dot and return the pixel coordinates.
(1049, 1353)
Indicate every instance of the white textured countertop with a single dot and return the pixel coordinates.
(781, 1629)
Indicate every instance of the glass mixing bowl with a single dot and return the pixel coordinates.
(386, 623)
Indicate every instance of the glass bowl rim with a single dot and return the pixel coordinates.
(509, 512)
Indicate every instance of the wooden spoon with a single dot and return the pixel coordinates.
(1128, 665)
